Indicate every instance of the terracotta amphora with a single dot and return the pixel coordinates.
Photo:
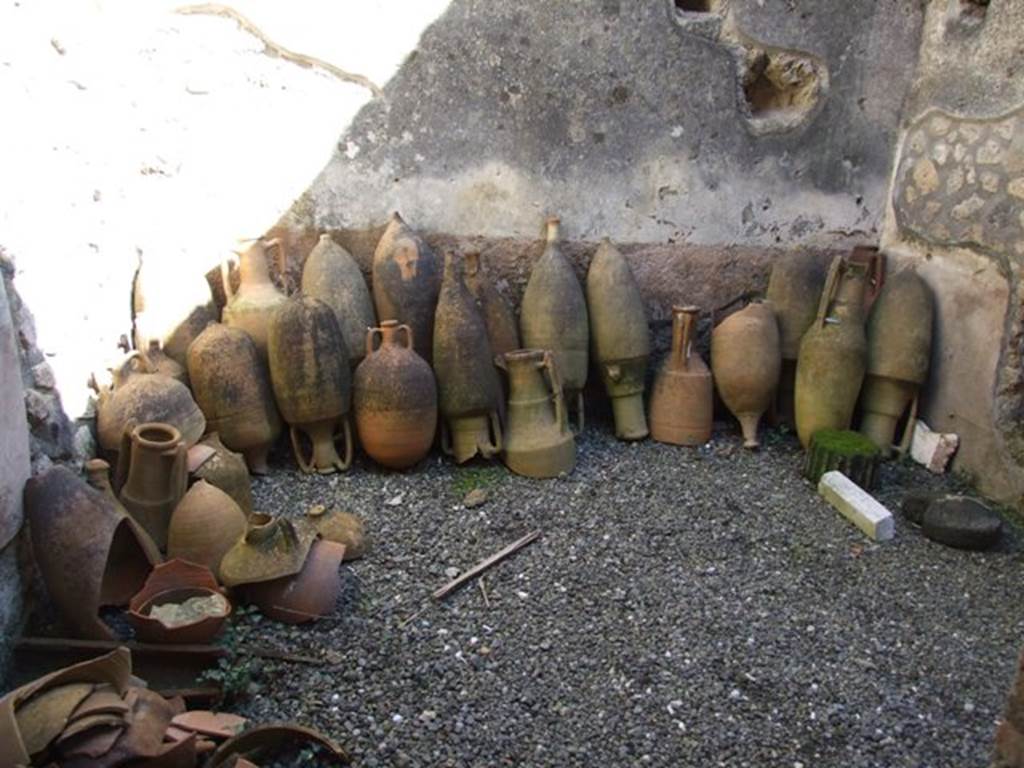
(394, 398)
(538, 441)
(899, 337)
(308, 595)
(90, 554)
(172, 306)
(833, 354)
(159, 362)
(272, 548)
(553, 316)
(251, 306)
(682, 399)
(138, 394)
(406, 282)
(619, 338)
(312, 382)
(794, 290)
(332, 275)
(745, 361)
(226, 470)
(502, 329)
(152, 476)
(467, 381)
(204, 526)
(231, 385)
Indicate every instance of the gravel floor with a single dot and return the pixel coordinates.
(682, 608)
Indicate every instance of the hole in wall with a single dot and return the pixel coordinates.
(695, 6)
(964, 17)
(781, 88)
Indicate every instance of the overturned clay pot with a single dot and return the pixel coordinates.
(272, 548)
(308, 595)
(339, 527)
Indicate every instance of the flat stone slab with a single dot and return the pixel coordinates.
(857, 505)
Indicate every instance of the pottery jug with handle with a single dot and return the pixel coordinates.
(252, 305)
(232, 387)
(332, 275)
(682, 397)
(553, 316)
(794, 290)
(312, 382)
(394, 398)
(746, 362)
(620, 339)
(899, 335)
(153, 475)
(833, 354)
(538, 441)
(467, 380)
(406, 282)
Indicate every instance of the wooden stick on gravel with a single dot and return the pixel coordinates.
(483, 565)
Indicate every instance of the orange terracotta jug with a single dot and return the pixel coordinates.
(682, 398)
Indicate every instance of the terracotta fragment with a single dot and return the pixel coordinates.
(272, 548)
(174, 582)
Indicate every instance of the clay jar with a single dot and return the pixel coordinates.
(89, 552)
(306, 596)
(251, 307)
(394, 398)
(175, 582)
(406, 281)
(538, 441)
(339, 527)
(899, 336)
(833, 354)
(312, 382)
(226, 470)
(204, 526)
(332, 275)
(502, 330)
(153, 475)
(619, 338)
(682, 397)
(138, 394)
(467, 381)
(745, 361)
(794, 290)
(232, 387)
(553, 316)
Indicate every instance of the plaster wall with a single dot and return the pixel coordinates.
(957, 213)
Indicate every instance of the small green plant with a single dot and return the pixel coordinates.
(465, 480)
(234, 672)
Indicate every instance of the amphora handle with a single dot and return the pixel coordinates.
(547, 364)
(829, 291)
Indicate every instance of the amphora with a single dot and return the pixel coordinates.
(538, 441)
(553, 316)
(682, 397)
(745, 361)
(312, 382)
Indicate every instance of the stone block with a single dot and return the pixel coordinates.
(857, 505)
(932, 450)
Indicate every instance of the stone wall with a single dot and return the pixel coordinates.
(957, 214)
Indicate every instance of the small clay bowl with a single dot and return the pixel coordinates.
(175, 582)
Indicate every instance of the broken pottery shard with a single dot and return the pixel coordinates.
(222, 725)
(856, 505)
(933, 450)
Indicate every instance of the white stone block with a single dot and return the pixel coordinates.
(933, 450)
(856, 505)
